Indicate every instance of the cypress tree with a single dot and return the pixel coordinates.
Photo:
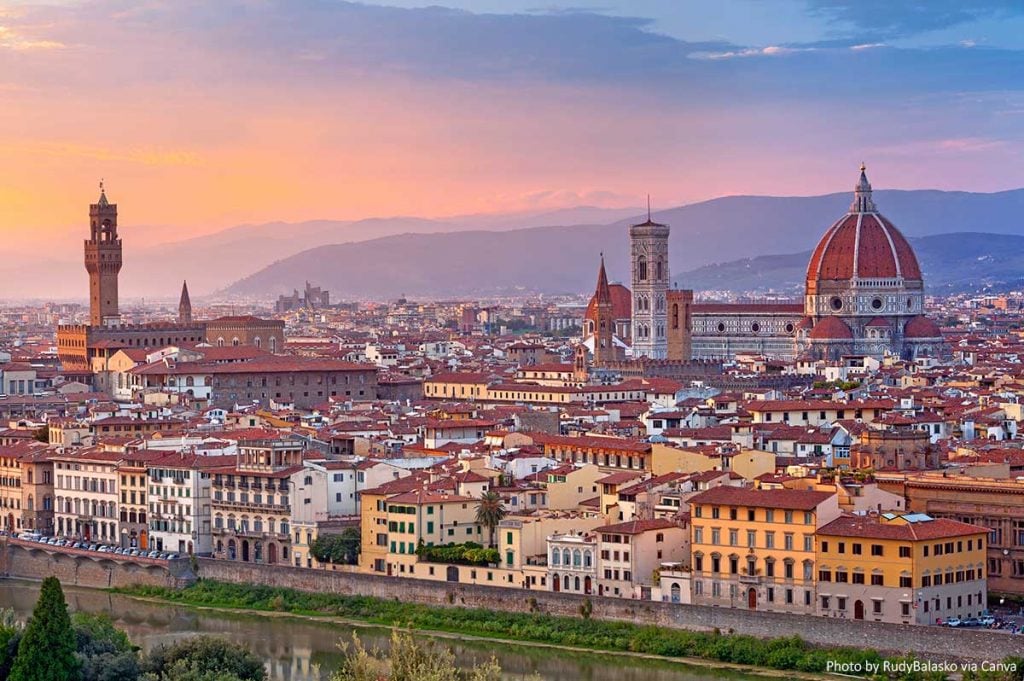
(47, 648)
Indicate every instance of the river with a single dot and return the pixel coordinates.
(298, 649)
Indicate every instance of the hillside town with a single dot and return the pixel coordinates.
(858, 455)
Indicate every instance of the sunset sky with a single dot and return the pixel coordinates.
(203, 114)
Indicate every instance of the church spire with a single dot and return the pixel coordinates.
(184, 305)
(862, 202)
(103, 203)
(603, 293)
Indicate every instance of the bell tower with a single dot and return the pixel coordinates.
(103, 261)
(649, 254)
(604, 324)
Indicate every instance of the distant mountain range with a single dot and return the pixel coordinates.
(726, 230)
(961, 261)
(545, 252)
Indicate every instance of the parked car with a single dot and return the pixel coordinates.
(954, 622)
(988, 621)
(972, 622)
(173, 556)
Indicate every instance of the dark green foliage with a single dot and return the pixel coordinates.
(340, 549)
(203, 658)
(104, 652)
(469, 553)
(10, 637)
(779, 653)
(490, 511)
(46, 651)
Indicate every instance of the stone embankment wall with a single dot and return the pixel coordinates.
(89, 569)
(927, 642)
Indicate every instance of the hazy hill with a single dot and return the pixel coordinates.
(950, 262)
(564, 259)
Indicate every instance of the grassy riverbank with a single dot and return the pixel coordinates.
(780, 653)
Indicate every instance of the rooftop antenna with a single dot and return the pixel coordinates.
(648, 208)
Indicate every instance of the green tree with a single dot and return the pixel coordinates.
(47, 648)
(104, 652)
(203, 658)
(10, 637)
(489, 512)
(408, 660)
(341, 549)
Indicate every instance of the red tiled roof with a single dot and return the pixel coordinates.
(872, 527)
(831, 328)
(747, 308)
(790, 499)
(864, 245)
(637, 526)
(922, 327)
(622, 303)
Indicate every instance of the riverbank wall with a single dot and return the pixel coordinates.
(27, 560)
(937, 643)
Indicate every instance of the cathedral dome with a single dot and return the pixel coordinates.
(831, 328)
(622, 303)
(921, 327)
(862, 245)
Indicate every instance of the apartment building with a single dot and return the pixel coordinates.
(907, 569)
(251, 502)
(755, 549)
(629, 554)
(86, 495)
(180, 502)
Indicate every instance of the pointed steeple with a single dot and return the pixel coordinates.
(103, 203)
(184, 305)
(603, 293)
(862, 202)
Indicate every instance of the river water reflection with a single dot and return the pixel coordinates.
(302, 650)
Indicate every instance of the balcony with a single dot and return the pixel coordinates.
(750, 579)
(250, 506)
(250, 534)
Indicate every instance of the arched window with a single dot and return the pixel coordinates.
(658, 270)
(257, 341)
(675, 315)
(273, 344)
(577, 558)
(566, 558)
(565, 582)
(641, 268)
(556, 557)
(588, 560)
(235, 341)
(220, 342)
(190, 381)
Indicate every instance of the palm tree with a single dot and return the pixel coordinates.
(490, 511)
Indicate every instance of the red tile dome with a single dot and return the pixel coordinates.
(831, 328)
(622, 303)
(921, 327)
(862, 245)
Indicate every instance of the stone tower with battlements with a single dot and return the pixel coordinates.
(103, 262)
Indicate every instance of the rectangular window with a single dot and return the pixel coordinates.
(876, 550)
(904, 552)
(877, 580)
